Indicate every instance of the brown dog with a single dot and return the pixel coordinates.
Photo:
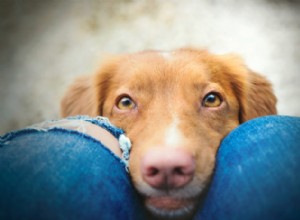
(176, 107)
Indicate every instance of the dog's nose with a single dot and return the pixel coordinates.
(167, 168)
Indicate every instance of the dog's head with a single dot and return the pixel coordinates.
(176, 107)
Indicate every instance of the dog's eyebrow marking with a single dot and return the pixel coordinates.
(173, 136)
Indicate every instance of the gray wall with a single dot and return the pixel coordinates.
(45, 44)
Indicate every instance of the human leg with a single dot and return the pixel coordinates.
(257, 173)
(61, 173)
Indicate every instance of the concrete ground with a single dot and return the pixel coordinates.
(46, 44)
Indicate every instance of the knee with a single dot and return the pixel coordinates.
(273, 133)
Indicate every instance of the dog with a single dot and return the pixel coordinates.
(176, 107)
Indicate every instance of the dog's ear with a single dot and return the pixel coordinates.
(87, 94)
(253, 91)
(80, 98)
(103, 81)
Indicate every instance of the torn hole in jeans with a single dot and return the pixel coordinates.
(99, 133)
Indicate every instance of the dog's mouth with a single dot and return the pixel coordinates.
(166, 206)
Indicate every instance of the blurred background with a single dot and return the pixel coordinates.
(45, 44)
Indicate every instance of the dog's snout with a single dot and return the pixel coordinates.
(167, 168)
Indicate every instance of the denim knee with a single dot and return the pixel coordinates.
(58, 173)
(257, 172)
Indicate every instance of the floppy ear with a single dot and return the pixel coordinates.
(80, 98)
(87, 94)
(253, 91)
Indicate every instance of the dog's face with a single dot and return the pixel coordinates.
(176, 108)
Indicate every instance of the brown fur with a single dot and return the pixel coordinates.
(171, 87)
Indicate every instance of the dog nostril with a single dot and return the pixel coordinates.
(152, 171)
(178, 171)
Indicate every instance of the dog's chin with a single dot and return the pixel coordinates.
(169, 207)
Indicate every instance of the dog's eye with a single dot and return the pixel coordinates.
(212, 100)
(125, 103)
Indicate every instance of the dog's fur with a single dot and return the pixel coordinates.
(167, 89)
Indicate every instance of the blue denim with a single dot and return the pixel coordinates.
(64, 174)
(58, 173)
(257, 172)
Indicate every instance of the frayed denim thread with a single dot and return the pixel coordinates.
(99, 121)
(6, 139)
(125, 146)
(102, 122)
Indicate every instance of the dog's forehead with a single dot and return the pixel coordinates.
(172, 73)
(164, 66)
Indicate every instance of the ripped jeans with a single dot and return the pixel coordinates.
(59, 170)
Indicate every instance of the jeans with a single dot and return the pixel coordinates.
(257, 173)
(58, 173)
